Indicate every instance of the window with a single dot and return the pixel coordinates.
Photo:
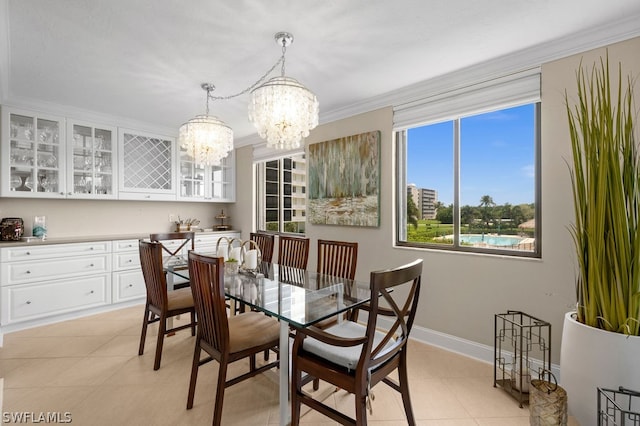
(470, 181)
(281, 201)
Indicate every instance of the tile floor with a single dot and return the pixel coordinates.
(90, 368)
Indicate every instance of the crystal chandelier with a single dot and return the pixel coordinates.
(206, 138)
(282, 109)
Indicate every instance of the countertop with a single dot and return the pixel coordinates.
(90, 238)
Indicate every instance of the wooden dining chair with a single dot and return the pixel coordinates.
(265, 243)
(225, 339)
(356, 357)
(337, 258)
(173, 244)
(293, 251)
(161, 304)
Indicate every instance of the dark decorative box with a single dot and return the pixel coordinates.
(11, 229)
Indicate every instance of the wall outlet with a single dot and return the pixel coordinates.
(173, 217)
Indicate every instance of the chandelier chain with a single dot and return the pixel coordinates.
(253, 86)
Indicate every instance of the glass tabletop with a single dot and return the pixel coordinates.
(297, 296)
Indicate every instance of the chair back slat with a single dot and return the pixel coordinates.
(293, 251)
(265, 243)
(188, 237)
(153, 273)
(394, 293)
(207, 286)
(337, 258)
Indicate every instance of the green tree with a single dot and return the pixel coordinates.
(445, 214)
(412, 213)
(487, 206)
(467, 215)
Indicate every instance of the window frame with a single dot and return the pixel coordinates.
(260, 172)
(400, 142)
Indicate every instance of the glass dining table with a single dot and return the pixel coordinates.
(294, 296)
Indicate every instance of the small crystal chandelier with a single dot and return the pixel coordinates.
(206, 138)
(282, 109)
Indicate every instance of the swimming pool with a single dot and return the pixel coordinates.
(491, 240)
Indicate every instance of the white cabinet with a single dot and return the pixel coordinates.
(207, 183)
(33, 155)
(128, 281)
(92, 159)
(45, 280)
(147, 166)
(207, 243)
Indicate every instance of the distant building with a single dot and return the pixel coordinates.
(425, 199)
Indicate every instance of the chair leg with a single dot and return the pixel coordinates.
(222, 378)
(316, 384)
(404, 387)
(162, 329)
(193, 323)
(194, 374)
(296, 378)
(143, 334)
(361, 408)
(266, 355)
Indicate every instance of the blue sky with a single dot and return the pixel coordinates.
(496, 157)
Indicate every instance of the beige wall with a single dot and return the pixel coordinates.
(462, 292)
(72, 218)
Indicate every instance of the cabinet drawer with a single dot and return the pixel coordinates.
(50, 269)
(53, 250)
(26, 302)
(127, 260)
(128, 285)
(125, 245)
(212, 240)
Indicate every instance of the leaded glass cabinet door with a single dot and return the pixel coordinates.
(32, 155)
(147, 166)
(92, 161)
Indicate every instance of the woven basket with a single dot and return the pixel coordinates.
(547, 404)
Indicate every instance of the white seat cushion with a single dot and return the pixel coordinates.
(345, 356)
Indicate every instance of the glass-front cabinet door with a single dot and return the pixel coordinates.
(92, 159)
(33, 155)
(207, 183)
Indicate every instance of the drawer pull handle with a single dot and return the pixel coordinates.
(91, 265)
(28, 253)
(90, 248)
(28, 302)
(129, 260)
(130, 285)
(27, 272)
(91, 292)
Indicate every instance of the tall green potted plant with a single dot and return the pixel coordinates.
(605, 176)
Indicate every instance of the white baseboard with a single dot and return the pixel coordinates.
(468, 348)
(464, 347)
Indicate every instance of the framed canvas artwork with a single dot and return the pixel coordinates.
(343, 181)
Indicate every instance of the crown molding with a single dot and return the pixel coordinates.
(523, 60)
(87, 115)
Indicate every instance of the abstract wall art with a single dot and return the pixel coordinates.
(343, 181)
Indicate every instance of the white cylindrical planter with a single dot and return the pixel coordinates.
(592, 358)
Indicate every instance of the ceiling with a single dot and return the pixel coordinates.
(144, 60)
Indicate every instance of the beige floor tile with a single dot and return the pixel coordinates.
(38, 372)
(433, 399)
(36, 399)
(482, 400)
(447, 422)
